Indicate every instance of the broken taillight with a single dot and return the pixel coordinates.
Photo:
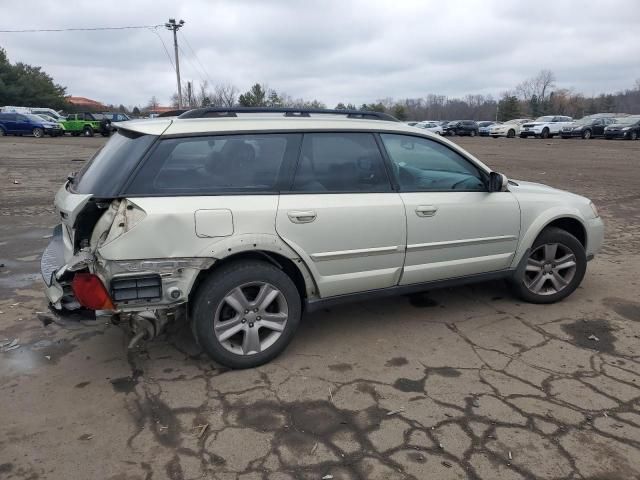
(90, 292)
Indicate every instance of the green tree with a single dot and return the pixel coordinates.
(27, 86)
(274, 99)
(256, 96)
(508, 108)
(341, 106)
(400, 112)
(373, 107)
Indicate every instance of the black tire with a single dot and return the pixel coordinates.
(633, 135)
(210, 296)
(472, 133)
(511, 133)
(38, 132)
(553, 235)
(587, 134)
(87, 132)
(2, 134)
(523, 136)
(545, 133)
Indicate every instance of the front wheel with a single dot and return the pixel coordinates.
(545, 133)
(633, 135)
(246, 313)
(554, 268)
(472, 133)
(2, 134)
(38, 132)
(511, 133)
(586, 134)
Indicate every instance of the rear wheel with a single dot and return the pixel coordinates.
(246, 313)
(87, 131)
(472, 133)
(555, 267)
(38, 132)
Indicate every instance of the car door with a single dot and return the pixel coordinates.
(341, 215)
(455, 227)
(22, 125)
(9, 122)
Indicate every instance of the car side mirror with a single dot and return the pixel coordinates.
(498, 182)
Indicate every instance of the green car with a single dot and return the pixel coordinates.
(87, 124)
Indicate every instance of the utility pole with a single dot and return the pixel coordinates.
(174, 27)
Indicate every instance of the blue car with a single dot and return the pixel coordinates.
(27, 124)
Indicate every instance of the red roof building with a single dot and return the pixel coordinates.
(85, 103)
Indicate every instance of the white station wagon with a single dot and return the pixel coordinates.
(239, 220)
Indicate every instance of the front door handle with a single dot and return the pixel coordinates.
(302, 216)
(426, 210)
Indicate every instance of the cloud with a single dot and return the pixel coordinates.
(351, 51)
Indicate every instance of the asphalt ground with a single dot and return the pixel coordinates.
(457, 383)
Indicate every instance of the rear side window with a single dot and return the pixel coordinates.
(340, 162)
(106, 172)
(217, 164)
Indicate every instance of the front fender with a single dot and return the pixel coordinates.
(531, 232)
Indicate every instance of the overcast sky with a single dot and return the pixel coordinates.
(334, 50)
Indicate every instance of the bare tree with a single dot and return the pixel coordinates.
(539, 86)
(225, 95)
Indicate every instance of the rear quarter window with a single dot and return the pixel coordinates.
(217, 164)
(107, 171)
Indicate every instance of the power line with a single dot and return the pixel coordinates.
(166, 50)
(196, 57)
(87, 29)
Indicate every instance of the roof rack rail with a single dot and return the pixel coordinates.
(219, 112)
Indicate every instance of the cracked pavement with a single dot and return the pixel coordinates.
(450, 384)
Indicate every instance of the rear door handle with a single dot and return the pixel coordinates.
(301, 216)
(426, 210)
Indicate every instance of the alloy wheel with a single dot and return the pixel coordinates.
(251, 318)
(550, 269)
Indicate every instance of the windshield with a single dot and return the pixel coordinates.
(485, 124)
(105, 173)
(544, 119)
(585, 121)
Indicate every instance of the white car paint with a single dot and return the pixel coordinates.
(433, 127)
(342, 243)
(552, 124)
(504, 129)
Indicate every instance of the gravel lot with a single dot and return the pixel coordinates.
(451, 384)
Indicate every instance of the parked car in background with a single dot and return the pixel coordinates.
(587, 127)
(116, 116)
(49, 119)
(35, 110)
(484, 128)
(411, 123)
(28, 124)
(87, 124)
(461, 127)
(509, 129)
(240, 224)
(545, 126)
(433, 127)
(626, 127)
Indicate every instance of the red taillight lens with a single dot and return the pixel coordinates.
(90, 292)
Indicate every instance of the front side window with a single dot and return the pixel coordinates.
(215, 164)
(340, 162)
(421, 165)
